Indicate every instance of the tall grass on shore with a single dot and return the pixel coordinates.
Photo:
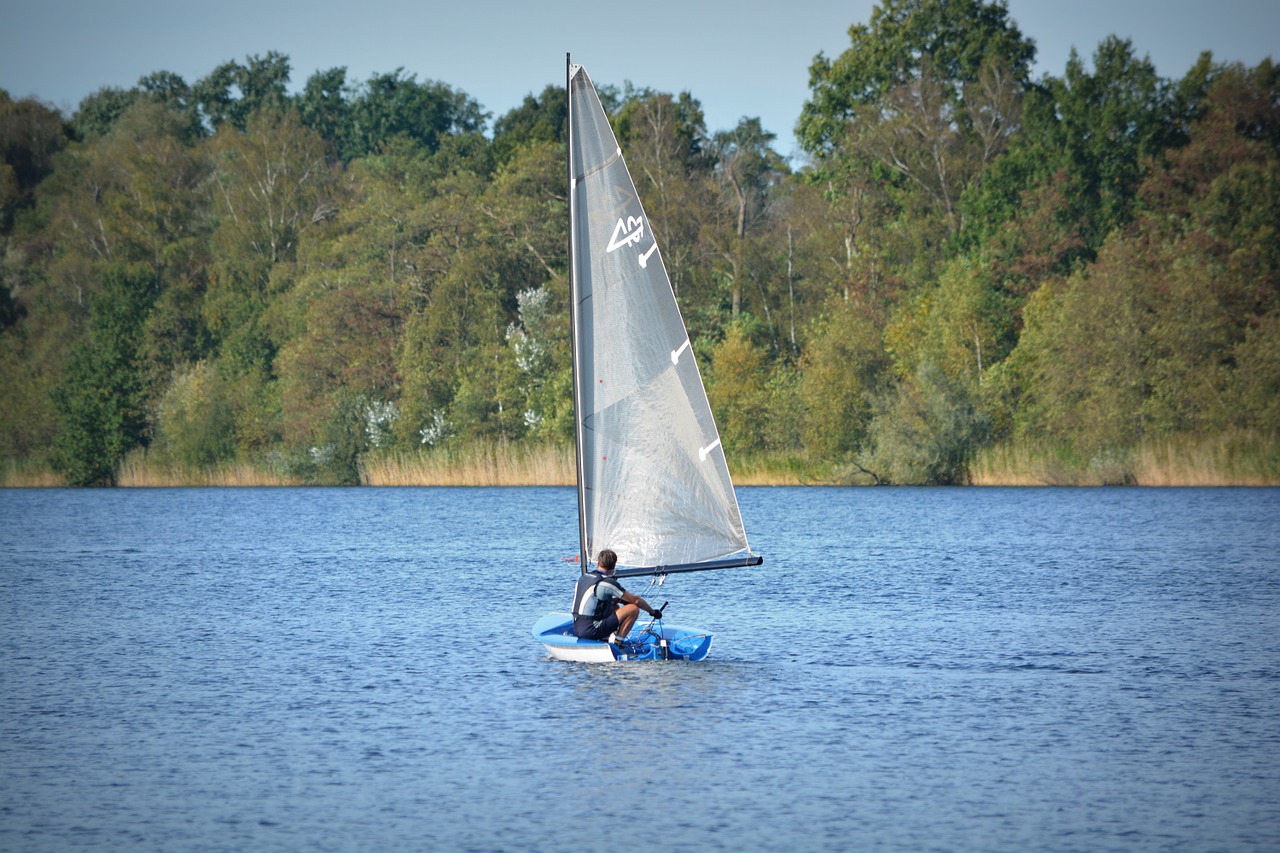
(508, 464)
(1229, 459)
(776, 469)
(16, 474)
(473, 464)
(1236, 458)
(142, 470)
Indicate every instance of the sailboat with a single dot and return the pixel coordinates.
(653, 483)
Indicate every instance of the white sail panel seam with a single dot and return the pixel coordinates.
(606, 164)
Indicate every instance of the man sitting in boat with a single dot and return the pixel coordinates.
(602, 609)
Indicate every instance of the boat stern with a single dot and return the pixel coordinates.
(555, 631)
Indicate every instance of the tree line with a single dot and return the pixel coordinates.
(226, 271)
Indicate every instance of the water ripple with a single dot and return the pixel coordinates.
(911, 669)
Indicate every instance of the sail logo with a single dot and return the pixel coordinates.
(627, 232)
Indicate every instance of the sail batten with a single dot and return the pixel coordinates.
(653, 482)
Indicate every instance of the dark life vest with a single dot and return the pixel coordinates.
(587, 600)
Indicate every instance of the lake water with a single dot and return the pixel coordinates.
(911, 669)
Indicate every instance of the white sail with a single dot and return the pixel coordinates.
(653, 482)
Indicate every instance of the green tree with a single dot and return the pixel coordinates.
(963, 325)
(906, 122)
(98, 112)
(737, 388)
(269, 185)
(1256, 382)
(926, 431)
(1150, 340)
(347, 353)
(1080, 356)
(540, 343)
(341, 439)
(808, 242)
(102, 400)
(1108, 123)
(232, 92)
(1212, 209)
(934, 43)
(488, 401)
(323, 105)
(664, 138)
(170, 91)
(28, 418)
(390, 106)
(31, 133)
(525, 208)
(537, 120)
(128, 199)
(747, 170)
(843, 370)
(195, 418)
(226, 270)
(1086, 139)
(130, 196)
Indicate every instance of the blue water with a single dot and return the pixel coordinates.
(911, 669)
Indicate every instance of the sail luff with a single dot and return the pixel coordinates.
(575, 356)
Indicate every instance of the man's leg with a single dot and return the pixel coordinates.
(627, 615)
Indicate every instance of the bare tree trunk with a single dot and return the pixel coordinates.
(791, 286)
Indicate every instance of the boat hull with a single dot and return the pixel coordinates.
(658, 642)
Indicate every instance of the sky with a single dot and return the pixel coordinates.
(736, 57)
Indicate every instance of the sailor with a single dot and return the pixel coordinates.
(602, 609)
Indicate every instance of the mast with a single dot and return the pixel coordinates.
(575, 358)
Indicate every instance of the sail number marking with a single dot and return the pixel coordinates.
(626, 232)
(629, 231)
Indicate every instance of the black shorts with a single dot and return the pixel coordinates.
(587, 628)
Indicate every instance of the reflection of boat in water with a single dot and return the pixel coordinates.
(653, 483)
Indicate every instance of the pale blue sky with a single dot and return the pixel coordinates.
(738, 57)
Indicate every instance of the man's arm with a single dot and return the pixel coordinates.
(632, 598)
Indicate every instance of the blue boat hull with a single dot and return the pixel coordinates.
(655, 642)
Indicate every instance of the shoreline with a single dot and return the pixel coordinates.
(1229, 460)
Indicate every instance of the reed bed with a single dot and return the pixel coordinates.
(141, 471)
(1237, 458)
(1230, 459)
(28, 475)
(1030, 464)
(480, 464)
(505, 464)
(782, 470)
(757, 475)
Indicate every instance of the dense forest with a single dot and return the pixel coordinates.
(222, 271)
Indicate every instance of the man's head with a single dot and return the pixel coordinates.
(607, 560)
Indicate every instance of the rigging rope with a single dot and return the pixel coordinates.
(679, 646)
